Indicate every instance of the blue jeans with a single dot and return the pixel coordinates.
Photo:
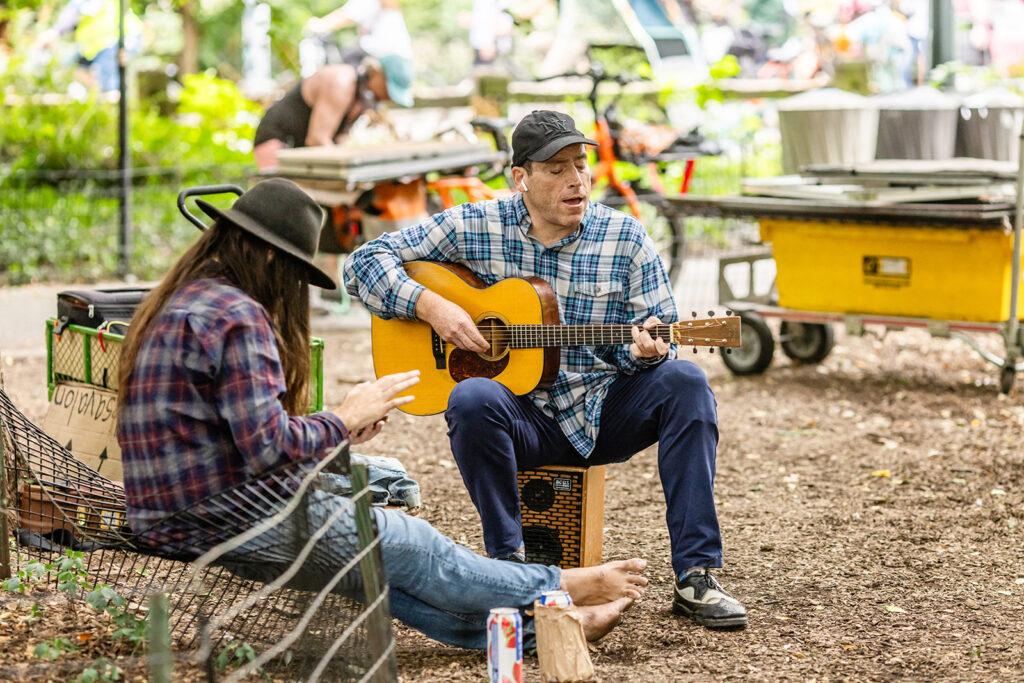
(436, 586)
(495, 433)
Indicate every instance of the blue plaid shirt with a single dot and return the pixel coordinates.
(203, 409)
(607, 272)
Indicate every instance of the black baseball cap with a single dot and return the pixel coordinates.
(542, 134)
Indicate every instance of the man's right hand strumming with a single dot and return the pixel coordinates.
(450, 321)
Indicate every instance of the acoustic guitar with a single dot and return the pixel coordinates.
(519, 319)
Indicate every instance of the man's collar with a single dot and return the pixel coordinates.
(523, 220)
(520, 212)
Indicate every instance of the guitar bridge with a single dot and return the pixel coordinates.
(437, 347)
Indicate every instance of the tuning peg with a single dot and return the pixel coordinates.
(695, 349)
(728, 350)
(711, 314)
(711, 349)
(728, 312)
(693, 313)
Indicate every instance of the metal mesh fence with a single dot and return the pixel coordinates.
(258, 565)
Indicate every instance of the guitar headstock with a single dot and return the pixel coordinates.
(721, 331)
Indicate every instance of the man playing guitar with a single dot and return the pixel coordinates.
(608, 402)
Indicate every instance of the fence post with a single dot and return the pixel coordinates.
(161, 666)
(379, 620)
(5, 543)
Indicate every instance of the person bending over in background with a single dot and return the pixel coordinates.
(320, 109)
(214, 389)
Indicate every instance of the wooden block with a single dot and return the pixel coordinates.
(562, 514)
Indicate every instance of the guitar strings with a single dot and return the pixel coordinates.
(610, 333)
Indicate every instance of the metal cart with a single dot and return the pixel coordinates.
(816, 248)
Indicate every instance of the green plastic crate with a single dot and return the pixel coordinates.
(84, 354)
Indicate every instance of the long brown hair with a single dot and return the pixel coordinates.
(279, 283)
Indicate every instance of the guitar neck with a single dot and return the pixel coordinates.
(542, 336)
(536, 336)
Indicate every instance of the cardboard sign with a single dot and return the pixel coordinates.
(82, 418)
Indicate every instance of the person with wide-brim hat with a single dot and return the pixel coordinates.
(214, 392)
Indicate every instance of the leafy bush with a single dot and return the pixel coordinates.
(60, 189)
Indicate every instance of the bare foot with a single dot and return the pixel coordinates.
(598, 620)
(605, 583)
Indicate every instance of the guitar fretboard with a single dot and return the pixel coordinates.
(538, 336)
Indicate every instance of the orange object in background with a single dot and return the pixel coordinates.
(344, 228)
(398, 200)
(475, 190)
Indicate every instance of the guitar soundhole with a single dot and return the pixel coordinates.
(496, 334)
(465, 364)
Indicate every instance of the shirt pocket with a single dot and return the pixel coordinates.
(596, 289)
(594, 302)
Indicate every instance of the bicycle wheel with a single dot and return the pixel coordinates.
(663, 224)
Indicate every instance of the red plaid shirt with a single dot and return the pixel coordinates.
(203, 410)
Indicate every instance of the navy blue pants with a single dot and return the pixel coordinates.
(493, 433)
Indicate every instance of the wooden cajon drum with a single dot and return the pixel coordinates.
(563, 514)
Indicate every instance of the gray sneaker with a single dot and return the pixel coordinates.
(699, 596)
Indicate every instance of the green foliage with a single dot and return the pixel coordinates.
(53, 648)
(708, 91)
(105, 599)
(100, 670)
(129, 627)
(233, 655)
(71, 574)
(59, 189)
(23, 578)
(223, 122)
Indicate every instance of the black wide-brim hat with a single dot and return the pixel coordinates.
(278, 212)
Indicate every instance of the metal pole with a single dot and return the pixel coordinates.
(941, 19)
(125, 161)
(1018, 219)
(5, 551)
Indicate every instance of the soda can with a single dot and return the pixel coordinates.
(555, 598)
(505, 645)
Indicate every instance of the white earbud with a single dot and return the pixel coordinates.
(524, 187)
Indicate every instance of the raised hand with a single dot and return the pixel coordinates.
(367, 403)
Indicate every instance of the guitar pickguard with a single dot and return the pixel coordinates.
(464, 364)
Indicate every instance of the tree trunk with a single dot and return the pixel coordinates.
(188, 62)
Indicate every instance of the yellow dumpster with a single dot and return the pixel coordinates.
(921, 271)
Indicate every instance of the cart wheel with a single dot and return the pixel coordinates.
(1006, 377)
(754, 354)
(806, 342)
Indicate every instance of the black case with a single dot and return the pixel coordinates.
(94, 307)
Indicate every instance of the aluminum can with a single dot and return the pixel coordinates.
(555, 598)
(505, 645)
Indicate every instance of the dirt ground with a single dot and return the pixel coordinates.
(870, 507)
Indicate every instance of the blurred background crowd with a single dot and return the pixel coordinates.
(263, 44)
(201, 74)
